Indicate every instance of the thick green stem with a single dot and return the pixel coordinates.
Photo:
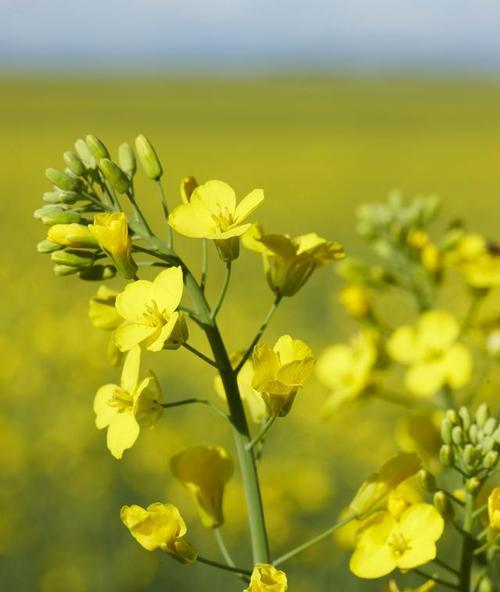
(468, 544)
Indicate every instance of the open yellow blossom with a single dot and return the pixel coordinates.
(102, 311)
(431, 350)
(204, 471)
(71, 235)
(159, 526)
(377, 487)
(477, 261)
(494, 509)
(212, 213)
(126, 408)
(111, 232)
(346, 369)
(289, 262)
(425, 587)
(385, 542)
(150, 313)
(253, 402)
(267, 578)
(280, 372)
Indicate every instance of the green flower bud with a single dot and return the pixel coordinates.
(46, 210)
(113, 173)
(487, 444)
(427, 480)
(62, 180)
(446, 427)
(472, 484)
(490, 426)
(473, 433)
(85, 154)
(97, 148)
(65, 270)
(446, 456)
(443, 505)
(126, 158)
(491, 459)
(452, 415)
(74, 163)
(97, 272)
(496, 435)
(58, 197)
(469, 455)
(47, 246)
(60, 217)
(464, 415)
(485, 585)
(148, 158)
(482, 414)
(73, 257)
(457, 435)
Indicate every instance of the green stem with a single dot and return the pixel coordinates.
(192, 401)
(468, 543)
(436, 579)
(141, 220)
(260, 332)
(446, 566)
(312, 541)
(170, 239)
(220, 300)
(267, 426)
(204, 264)
(222, 546)
(236, 570)
(199, 354)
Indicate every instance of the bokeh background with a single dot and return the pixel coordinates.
(324, 104)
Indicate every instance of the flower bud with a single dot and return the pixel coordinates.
(47, 246)
(85, 154)
(427, 481)
(51, 215)
(74, 163)
(97, 273)
(72, 257)
(490, 459)
(457, 435)
(62, 180)
(482, 414)
(472, 484)
(113, 173)
(464, 415)
(443, 505)
(97, 148)
(446, 427)
(446, 456)
(496, 435)
(62, 270)
(485, 585)
(126, 159)
(469, 455)
(188, 185)
(61, 197)
(148, 158)
(452, 415)
(487, 444)
(473, 430)
(490, 426)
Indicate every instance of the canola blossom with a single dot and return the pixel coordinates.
(266, 578)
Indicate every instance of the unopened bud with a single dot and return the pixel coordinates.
(491, 459)
(452, 415)
(148, 158)
(47, 246)
(446, 427)
(74, 163)
(473, 430)
(469, 455)
(482, 414)
(62, 180)
(126, 158)
(188, 185)
(487, 444)
(485, 585)
(472, 484)
(496, 435)
(60, 217)
(457, 435)
(62, 270)
(464, 415)
(97, 272)
(113, 173)
(446, 457)
(72, 257)
(85, 154)
(97, 148)
(443, 505)
(427, 480)
(490, 426)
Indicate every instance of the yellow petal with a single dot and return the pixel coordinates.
(193, 220)
(248, 205)
(403, 345)
(437, 330)
(266, 365)
(426, 378)
(373, 558)
(128, 335)
(216, 196)
(123, 431)
(157, 340)
(458, 363)
(167, 289)
(131, 368)
(290, 350)
(132, 302)
(105, 414)
(421, 521)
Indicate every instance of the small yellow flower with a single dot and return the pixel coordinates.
(159, 526)
(377, 487)
(150, 313)
(111, 232)
(494, 509)
(212, 213)
(431, 350)
(289, 262)
(251, 398)
(346, 369)
(355, 300)
(479, 264)
(204, 471)
(266, 578)
(280, 372)
(102, 311)
(425, 587)
(71, 235)
(126, 408)
(385, 543)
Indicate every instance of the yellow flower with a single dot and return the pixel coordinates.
(266, 578)
(204, 471)
(102, 311)
(345, 536)
(346, 369)
(159, 526)
(432, 352)
(355, 300)
(111, 232)
(149, 310)
(425, 587)
(477, 261)
(280, 372)
(385, 543)
(494, 508)
(251, 398)
(403, 496)
(71, 235)
(377, 487)
(212, 213)
(126, 408)
(289, 262)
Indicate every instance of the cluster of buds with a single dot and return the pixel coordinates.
(471, 443)
(88, 232)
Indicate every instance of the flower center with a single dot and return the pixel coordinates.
(224, 218)
(121, 400)
(153, 316)
(398, 544)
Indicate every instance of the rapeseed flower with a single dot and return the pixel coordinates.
(431, 349)
(280, 372)
(267, 578)
(126, 408)
(150, 313)
(476, 260)
(204, 472)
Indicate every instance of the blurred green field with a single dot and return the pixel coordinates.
(319, 146)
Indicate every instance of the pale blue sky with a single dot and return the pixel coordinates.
(197, 34)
